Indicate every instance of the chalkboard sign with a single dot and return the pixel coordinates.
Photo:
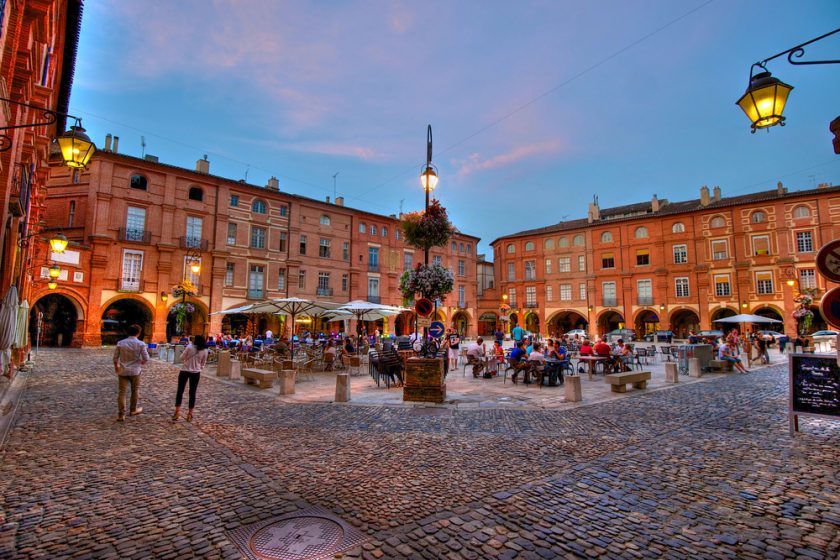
(814, 387)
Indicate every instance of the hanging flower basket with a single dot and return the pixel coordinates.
(432, 282)
(425, 230)
(181, 311)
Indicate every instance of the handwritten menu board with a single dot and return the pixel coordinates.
(814, 386)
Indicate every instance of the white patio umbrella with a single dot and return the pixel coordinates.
(746, 318)
(367, 311)
(8, 325)
(22, 335)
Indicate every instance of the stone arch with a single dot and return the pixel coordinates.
(461, 322)
(609, 320)
(197, 321)
(684, 320)
(404, 323)
(565, 320)
(122, 311)
(532, 322)
(721, 313)
(646, 322)
(771, 312)
(487, 323)
(61, 316)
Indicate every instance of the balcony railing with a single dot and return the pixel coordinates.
(135, 235)
(531, 304)
(645, 300)
(321, 291)
(255, 294)
(131, 285)
(193, 243)
(373, 267)
(374, 299)
(609, 302)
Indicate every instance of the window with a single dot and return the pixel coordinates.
(229, 269)
(283, 241)
(581, 263)
(231, 236)
(510, 248)
(607, 260)
(764, 282)
(578, 241)
(720, 249)
(462, 296)
(132, 271)
(565, 292)
(678, 227)
(804, 242)
(234, 200)
(461, 247)
(325, 220)
(302, 280)
(549, 243)
(563, 242)
(606, 237)
(284, 210)
(257, 237)
(512, 297)
(302, 245)
(343, 282)
(548, 266)
(373, 230)
(642, 257)
(582, 292)
(189, 275)
(373, 258)
(345, 251)
(408, 261)
(76, 174)
(722, 285)
(256, 281)
(549, 293)
(324, 249)
(194, 227)
(531, 296)
(801, 212)
(396, 233)
(436, 260)
(608, 289)
(258, 206)
(680, 254)
(758, 217)
(461, 268)
(644, 289)
(641, 232)
(564, 264)
(761, 245)
(511, 276)
(138, 181)
(71, 213)
(453, 246)
(196, 194)
(469, 249)
(323, 283)
(281, 279)
(384, 231)
(362, 228)
(807, 279)
(530, 270)
(717, 222)
(135, 224)
(373, 288)
(529, 246)
(681, 285)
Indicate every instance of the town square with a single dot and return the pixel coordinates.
(384, 280)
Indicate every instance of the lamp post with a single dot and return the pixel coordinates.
(428, 179)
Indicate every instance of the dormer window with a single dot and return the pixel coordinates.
(138, 181)
(196, 194)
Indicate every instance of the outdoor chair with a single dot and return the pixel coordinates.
(477, 366)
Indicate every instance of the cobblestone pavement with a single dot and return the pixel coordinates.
(701, 470)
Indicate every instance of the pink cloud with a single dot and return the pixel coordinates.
(475, 162)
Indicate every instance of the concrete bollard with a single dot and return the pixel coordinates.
(694, 368)
(789, 348)
(342, 387)
(671, 375)
(798, 349)
(223, 367)
(235, 369)
(571, 386)
(286, 378)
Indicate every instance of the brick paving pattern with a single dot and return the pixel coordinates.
(700, 470)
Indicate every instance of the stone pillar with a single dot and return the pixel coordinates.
(287, 383)
(178, 349)
(671, 375)
(694, 367)
(342, 387)
(571, 386)
(223, 367)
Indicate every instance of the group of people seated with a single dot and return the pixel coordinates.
(618, 358)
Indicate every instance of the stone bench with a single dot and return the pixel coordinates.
(720, 366)
(618, 381)
(264, 377)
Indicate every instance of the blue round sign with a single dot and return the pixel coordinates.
(436, 329)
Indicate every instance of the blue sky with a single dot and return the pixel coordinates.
(536, 106)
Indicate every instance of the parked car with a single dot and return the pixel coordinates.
(713, 334)
(626, 334)
(580, 332)
(824, 334)
(660, 336)
(771, 335)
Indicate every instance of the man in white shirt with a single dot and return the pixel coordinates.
(129, 355)
(269, 335)
(475, 356)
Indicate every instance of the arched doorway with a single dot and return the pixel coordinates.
(58, 321)
(461, 322)
(487, 324)
(817, 323)
(236, 325)
(565, 321)
(185, 319)
(722, 313)
(771, 313)
(513, 321)
(647, 322)
(532, 323)
(683, 321)
(404, 324)
(610, 321)
(120, 315)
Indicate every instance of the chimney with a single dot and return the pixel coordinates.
(594, 212)
(716, 192)
(339, 201)
(150, 157)
(704, 196)
(203, 166)
(780, 188)
(108, 142)
(654, 204)
(824, 186)
(273, 184)
(116, 144)
(328, 200)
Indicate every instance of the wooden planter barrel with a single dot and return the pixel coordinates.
(424, 380)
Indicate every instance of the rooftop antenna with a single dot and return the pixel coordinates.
(401, 205)
(335, 193)
(248, 168)
(142, 146)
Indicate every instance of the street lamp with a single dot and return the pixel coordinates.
(54, 271)
(52, 285)
(766, 96)
(743, 305)
(164, 296)
(58, 243)
(428, 179)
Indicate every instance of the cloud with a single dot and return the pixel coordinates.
(475, 162)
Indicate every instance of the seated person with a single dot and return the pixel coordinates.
(622, 356)
(726, 354)
(586, 348)
(499, 351)
(537, 357)
(601, 348)
(475, 356)
(518, 359)
(329, 355)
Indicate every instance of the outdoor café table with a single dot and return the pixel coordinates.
(553, 372)
(592, 360)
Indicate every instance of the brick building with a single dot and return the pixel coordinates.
(138, 225)
(666, 265)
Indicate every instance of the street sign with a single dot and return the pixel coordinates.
(423, 322)
(830, 307)
(828, 260)
(424, 307)
(437, 329)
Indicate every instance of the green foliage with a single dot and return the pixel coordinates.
(425, 230)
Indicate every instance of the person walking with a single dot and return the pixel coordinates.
(130, 355)
(193, 358)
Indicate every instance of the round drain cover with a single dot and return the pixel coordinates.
(297, 538)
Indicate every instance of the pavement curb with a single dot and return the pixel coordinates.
(9, 405)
